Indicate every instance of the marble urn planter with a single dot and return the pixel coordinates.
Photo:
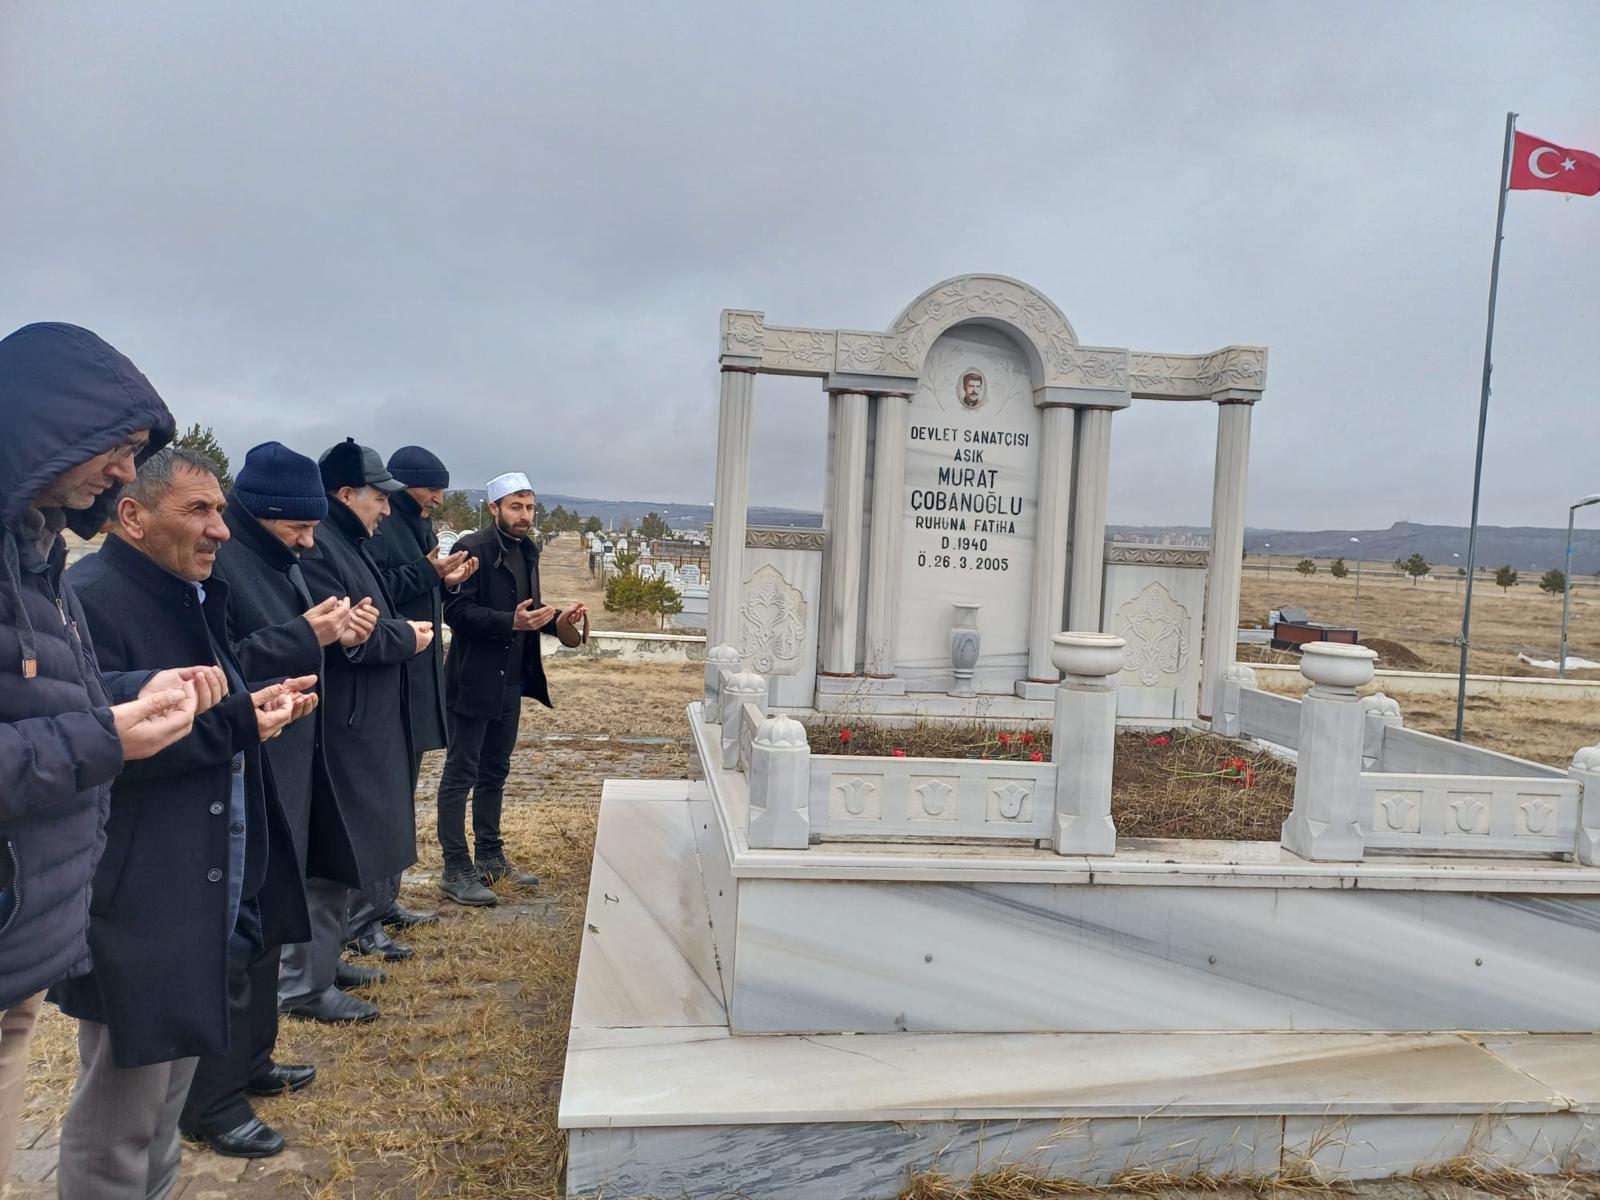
(1334, 665)
(965, 642)
(1091, 656)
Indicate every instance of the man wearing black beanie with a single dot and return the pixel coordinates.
(365, 690)
(406, 551)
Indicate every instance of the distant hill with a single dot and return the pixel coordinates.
(1526, 547)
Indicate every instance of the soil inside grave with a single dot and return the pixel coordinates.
(1176, 783)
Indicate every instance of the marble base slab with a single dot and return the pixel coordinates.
(866, 1161)
(864, 957)
(645, 958)
(685, 1108)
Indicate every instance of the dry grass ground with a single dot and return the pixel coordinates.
(1426, 617)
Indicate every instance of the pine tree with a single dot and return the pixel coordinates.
(1553, 581)
(1506, 577)
(203, 441)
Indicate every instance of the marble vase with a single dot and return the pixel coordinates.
(965, 642)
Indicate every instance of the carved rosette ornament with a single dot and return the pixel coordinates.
(1156, 628)
(772, 623)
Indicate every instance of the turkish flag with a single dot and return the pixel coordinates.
(1538, 165)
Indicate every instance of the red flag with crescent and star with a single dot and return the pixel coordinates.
(1538, 165)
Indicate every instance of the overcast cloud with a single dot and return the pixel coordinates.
(505, 230)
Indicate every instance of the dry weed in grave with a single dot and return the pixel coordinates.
(1178, 783)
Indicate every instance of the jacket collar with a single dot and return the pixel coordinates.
(346, 522)
(152, 576)
(257, 538)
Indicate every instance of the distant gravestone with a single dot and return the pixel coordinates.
(690, 576)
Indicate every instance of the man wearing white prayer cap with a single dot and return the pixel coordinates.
(496, 618)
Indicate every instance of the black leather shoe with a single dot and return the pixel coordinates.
(281, 1078)
(388, 949)
(254, 1139)
(493, 870)
(334, 1007)
(401, 917)
(350, 976)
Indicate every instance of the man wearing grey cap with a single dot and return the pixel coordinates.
(364, 693)
(495, 619)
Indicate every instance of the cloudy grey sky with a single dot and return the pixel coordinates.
(506, 229)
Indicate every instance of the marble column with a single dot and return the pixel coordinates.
(844, 533)
(732, 502)
(888, 504)
(1090, 482)
(1047, 610)
(1227, 545)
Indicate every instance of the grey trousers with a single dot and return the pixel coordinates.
(306, 969)
(368, 906)
(120, 1137)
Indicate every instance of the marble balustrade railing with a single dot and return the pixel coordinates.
(1416, 812)
(796, 797)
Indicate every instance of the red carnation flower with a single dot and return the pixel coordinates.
(1005, 739)
(1037, 756)
(844, 735)
(1027, 739)
(1160, 739)
(897, 753)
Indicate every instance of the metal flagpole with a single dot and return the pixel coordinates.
(1483, 419)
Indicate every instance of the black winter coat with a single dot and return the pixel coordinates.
(479, 614)
(400, 548)
(273, 640)
(158, 927)
(67, 396)
(368, 731)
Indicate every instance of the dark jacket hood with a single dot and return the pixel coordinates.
(68, 395)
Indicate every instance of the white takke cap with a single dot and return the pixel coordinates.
(507, 484)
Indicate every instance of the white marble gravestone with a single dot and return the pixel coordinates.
(971, 488)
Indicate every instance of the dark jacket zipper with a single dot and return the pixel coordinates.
(16, 884)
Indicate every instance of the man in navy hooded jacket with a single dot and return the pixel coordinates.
(79, 417)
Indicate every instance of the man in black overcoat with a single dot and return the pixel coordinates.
(198, 871)
(406, 550)
(276, 504)
(369, 744)
(495, 619)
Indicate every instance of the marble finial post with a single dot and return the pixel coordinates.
(719, 660)
(1084, 740)
(1586, 770)
(1325, 825)
(780, 786)
(738, 689)
(1234, 679)
(1380, 712)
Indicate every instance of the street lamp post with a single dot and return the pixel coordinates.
(1268, 547)
(1566, 589)
(1454, 555)
(1357, 542)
